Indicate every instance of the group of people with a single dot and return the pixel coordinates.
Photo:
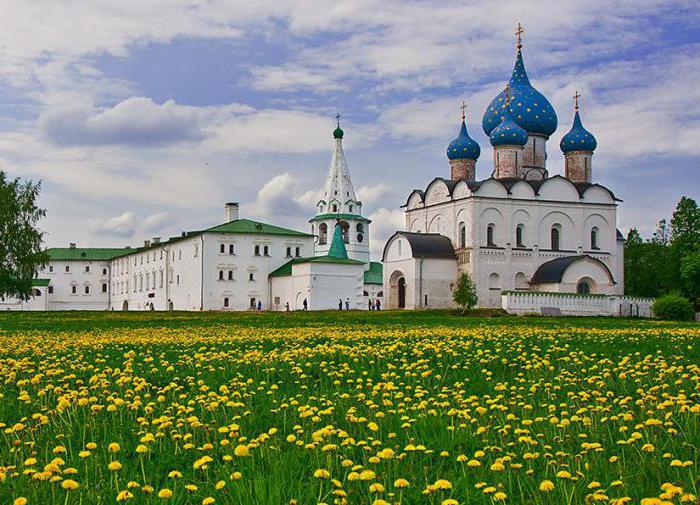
(371, 304)
(374, 305)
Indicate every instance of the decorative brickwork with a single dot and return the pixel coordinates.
(578, 166)
(507, 161)
(464, 169)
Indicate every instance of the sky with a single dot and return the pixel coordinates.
(142, 117)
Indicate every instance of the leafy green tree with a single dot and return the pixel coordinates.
(465, 292)
(685, 226)
(646, 269)
(690, 277)
(21, 254)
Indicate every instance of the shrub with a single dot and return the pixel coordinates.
(673, 307)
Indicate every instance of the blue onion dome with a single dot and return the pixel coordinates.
(578, 138)
(529, 108)
(508, 132)
(463, 147)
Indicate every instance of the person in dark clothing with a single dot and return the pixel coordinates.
(370, 305)
(306, 304)
(287, 306)
(259, 305)
(378, 305)
(340, 304)
(347, 304)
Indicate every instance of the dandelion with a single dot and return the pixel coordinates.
(322, 474)
(400, 483)
(546, 485)
(241, 450)
(114, 466)
(20, 501)
(208, 500)
(69, 484)
(124, 496)
(165, 493)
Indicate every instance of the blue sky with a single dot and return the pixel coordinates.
(142, 117)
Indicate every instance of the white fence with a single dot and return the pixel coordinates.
(572, 304)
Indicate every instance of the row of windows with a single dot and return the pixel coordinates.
(254, 303)
(86, 289)
(555, 236)
(87, 269)
(228, 275)
(344, 228)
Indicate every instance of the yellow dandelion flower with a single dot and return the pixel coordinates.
(165, 493)
(69, 484)
(546, 485)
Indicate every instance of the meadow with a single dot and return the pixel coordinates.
(367, 408)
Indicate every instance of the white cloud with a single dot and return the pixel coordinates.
(277, 199)
(375, 194)
(134, 121)
(123, 225)
(384, 223)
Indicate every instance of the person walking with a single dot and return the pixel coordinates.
(259, 305)
(286, 306)
(306, 304)
(370, 305)
(378, 305)
(340, 304)
(347, 304)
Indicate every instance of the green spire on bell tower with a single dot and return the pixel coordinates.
(338, 132)
(338, 249)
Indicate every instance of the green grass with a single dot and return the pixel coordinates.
(613, 402)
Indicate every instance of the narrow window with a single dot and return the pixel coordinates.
(67, 268)
(222, 248)
(297, 252)
(257, 250)
(87, 290)
(50, 268)
(230, 275)
(104, 288)
(594, 238)
(225, 302)
(519, 236)
(462, 235)
(74, 289)
(50, 289)
(221, 275)
(289, 252)
(251, 276)
(489, 236)
(87, 269)
(230, 249)
(555, 238)
(104, 271)
(322, 233)
(266, 251)
(351, 209)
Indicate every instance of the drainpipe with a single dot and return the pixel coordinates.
(201, 286)
(420, 283)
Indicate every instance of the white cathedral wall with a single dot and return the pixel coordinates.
(331, 282)
(559, 203)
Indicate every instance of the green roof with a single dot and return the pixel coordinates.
(286, 269)
(356, 217)
(41, 282)
(248, 226)
(86, 253)
(375, 274)
(337, 249)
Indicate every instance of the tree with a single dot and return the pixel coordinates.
(685, 226)
(690, 277)
(21, 255)
(465, 292)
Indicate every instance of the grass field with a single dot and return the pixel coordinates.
(409, 407)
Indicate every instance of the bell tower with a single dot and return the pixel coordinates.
(339, 205)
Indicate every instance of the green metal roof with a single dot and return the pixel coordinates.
(286, 269)
(41, 282)
(323, 217)
(86, 253)
(375, 274)
(248, 226)
(337, 249)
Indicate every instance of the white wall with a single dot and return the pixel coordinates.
(81, 274)
(571, 304)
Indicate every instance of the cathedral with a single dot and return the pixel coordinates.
(519, 231)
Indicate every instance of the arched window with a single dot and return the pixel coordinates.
(230, 275)
(222, 248)
(104, 287)
(494, 281)
(257, 250)
(335, 208)
(221, 275)
(297, 252)
(225, 302)
(266, 251)
(519, 235)
(323, 233)
(555, 236)
(462, 235)
(351, 209)
(345, 229)
(490, 229)
(360, 232)
(289, 252)
(583, 287)
(231, 249)
(594, 238)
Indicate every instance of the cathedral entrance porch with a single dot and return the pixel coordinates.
(397, 291)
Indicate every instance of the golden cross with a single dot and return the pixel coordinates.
(337, 119)
(576, 97)
(463, 107)
(518, 34)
